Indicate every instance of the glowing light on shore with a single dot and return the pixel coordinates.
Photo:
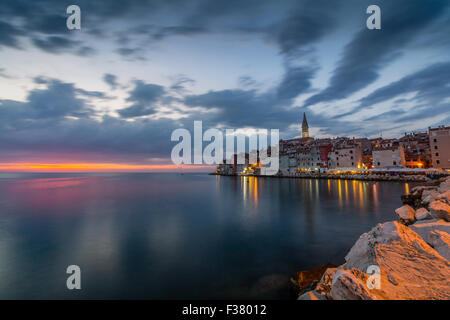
(27, 167)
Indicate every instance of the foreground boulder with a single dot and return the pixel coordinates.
(422, 214)
(440, 210)
(406, 214)
(350, 285)
(429, 196)
(426, 227)
(440, 241)
(409, 267)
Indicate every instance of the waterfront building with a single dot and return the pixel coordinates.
(391, 156)
(346, 156)
(440, 147)
(416, 146)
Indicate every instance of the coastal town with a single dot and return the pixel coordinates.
(415, 153)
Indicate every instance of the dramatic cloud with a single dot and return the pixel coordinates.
(238, 64)
(371, 50)
(9, 35)
(144, 97)
(296, 80)
(111, 80)
(58, 44)
(431, 85)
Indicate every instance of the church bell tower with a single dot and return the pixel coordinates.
(305, 127)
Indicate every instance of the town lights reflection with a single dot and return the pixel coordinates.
(250, 190)
(314, 193)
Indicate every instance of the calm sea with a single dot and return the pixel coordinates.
(162, 236)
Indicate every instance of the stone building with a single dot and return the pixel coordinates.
(347, 156)
(440, 147)
(416, 146)
(389, 157)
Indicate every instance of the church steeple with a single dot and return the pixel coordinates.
(305, 127)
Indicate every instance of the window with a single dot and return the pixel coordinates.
(435, 147)
(395, 163)
(351, 151)
(437, 154)
(378, 163)
(435, 140)
(338, 164)
(353, 163)
(351, 157)
(437, 161)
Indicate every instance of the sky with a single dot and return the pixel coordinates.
(108, 96)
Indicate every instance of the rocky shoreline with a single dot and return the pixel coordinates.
(405, 259)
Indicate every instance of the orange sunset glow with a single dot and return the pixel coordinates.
(94, 167)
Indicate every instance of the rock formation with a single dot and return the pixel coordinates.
(399, 260)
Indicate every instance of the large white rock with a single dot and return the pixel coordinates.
(429, 196)
(441, 243)
(440, 210)
(425, 227)
(405, 214)
(350, 285)
(409, 267)
(422, 214)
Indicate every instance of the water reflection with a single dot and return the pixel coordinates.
(312, 193)
(134, 234)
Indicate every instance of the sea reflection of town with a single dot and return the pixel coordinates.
(261, 193)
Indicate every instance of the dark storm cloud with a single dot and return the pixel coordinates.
(9, 35)
(165, 32)
(59, 99)
(248, 107)
(144, 97)
(48, 23)
(41, 124)
(431, 84)
(292, 24)
(296, 80)
(309, 21)
(371, 50)
(111, 80)
(431, 89)
(58, 44)
(238, 108)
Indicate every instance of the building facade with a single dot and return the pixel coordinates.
(389, 157)
(440, 147)
(345, 157)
